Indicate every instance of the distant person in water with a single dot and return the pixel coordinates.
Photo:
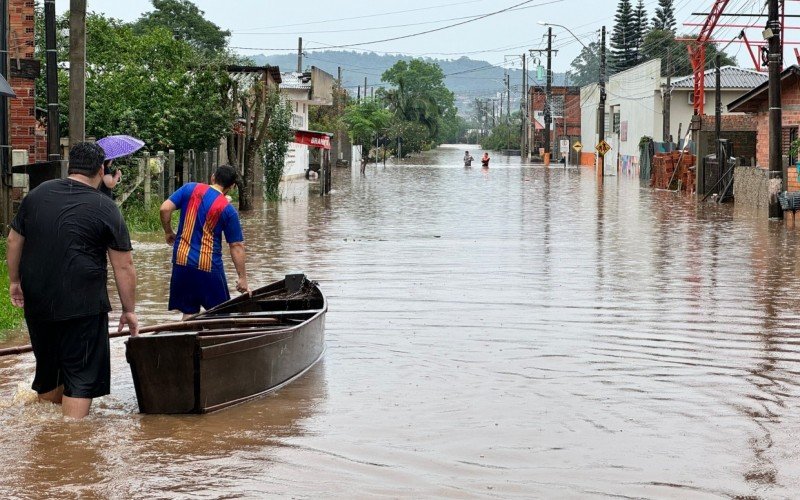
(485, 160)
(468, 159)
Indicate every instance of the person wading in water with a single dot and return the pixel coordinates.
(485, 160)
(198, 277)
(57, 249)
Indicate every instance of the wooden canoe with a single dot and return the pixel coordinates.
(239, 350)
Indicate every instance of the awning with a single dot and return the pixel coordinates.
(313, 139)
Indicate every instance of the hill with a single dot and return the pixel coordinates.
(467, 78)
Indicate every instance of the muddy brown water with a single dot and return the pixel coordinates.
(504, 333)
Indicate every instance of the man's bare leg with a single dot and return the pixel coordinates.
(53, 396)
(76, 408)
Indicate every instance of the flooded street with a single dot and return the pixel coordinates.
(505, 333)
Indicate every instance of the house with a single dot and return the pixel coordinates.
(635, 100)
(633, 110)
(734, 83)
(565, 112)
(27, 135)
(756, 104)
(302, 90)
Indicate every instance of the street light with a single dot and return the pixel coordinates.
(545, 23)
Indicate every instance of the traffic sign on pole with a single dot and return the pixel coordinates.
(602, 147)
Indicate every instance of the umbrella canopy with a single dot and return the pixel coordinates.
(117, 146)
(5, 88)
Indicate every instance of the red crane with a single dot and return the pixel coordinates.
(697, 53)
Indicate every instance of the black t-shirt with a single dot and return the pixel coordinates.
(68, 227)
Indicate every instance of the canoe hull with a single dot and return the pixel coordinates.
(201, 371)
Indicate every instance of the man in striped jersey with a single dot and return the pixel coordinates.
(198, 278)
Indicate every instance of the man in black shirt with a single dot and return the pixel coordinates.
(58, 270)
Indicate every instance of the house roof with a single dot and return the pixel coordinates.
(752, 101)
(239, 70)
(294, 80)
(731, 77)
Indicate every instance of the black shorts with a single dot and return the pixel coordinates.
(73, 353)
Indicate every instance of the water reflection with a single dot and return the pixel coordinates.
(515, 332)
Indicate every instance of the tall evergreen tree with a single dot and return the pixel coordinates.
(624, 53)
(665, 16)
(642, 27)
(586, 67)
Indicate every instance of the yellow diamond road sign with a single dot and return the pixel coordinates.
(602, 148)
(577, 146)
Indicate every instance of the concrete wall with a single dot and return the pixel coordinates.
(296, 161)
(636, 94)
(751, 189)
(681, 111)
(590, 100)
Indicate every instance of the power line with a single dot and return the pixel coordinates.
(434, 30)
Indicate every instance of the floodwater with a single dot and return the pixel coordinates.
(506, 333)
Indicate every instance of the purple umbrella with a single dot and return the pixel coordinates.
(117, 146)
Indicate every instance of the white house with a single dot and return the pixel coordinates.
(635, 107)
(302, 90)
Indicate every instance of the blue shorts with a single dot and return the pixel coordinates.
(191, 288)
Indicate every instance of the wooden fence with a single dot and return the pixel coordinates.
(160, 174)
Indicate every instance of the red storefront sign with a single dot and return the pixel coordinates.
(314, 139)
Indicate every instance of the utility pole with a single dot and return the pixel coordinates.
(365, 88)
(339, 98)
(718, 115)
(666, 125)
(523, 147)
(494, 122)
(300, 55)
(508, 99)
(5, 153)
(53, 138)
(601, 109)
(548, 116)
(358, 95)
(77, 71)
(776, 169)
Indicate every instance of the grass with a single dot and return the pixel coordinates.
(141, 219)
(10, 316)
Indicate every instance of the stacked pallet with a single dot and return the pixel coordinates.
(664, 175)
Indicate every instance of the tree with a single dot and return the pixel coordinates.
(186, 22)
(641, 27)
(586, 67)
(279, 135)
(665, 16)
(624, 53)
(365, 120)
(419, 95)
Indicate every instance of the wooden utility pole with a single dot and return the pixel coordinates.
(548, 115)
(524, 110)
(53, 136)
(601, 109)
(300, 55)
(776, 168)
(339, 106)
(77, 71)
(721, 163)
(508, 99)
(666, 125)
(365, 88)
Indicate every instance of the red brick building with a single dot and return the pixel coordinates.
(756, 102)
(566, 114)
(26, 131)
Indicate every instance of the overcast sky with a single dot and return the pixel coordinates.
(263, 25)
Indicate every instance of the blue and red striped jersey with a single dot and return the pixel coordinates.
(205, 216)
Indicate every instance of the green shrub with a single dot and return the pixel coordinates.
(10, 316)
